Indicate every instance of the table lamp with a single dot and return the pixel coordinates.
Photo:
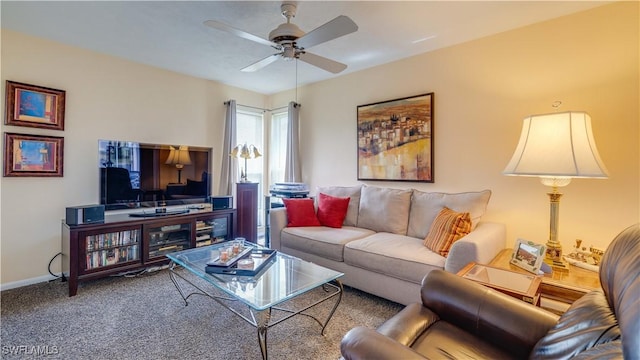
(179, 157)
(245, 152)
(556, 148)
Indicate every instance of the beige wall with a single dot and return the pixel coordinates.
(482, 89)
(107, 98)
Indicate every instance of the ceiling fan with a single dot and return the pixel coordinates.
(291, 42)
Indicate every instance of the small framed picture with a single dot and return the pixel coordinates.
(528, 255)
(32, 155)
(34, 106)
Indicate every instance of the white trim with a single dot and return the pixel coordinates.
(26, 282)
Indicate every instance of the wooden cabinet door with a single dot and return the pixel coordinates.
(247, 207)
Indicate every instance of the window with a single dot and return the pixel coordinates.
(250, 125)
(278, 146)
(250, 130)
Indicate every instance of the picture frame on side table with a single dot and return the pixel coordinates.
(528, 255)
(395, 139)
(34, 106)
(33, 155)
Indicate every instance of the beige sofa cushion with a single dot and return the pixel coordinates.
(320, 240)
(394, 255)
(425, 206)
(384, 209)
(352, 192)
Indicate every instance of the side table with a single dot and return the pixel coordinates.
(525, 287)
(559, 289)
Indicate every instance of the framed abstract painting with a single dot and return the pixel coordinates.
(395, 140)
(33, 155)
(34, 106)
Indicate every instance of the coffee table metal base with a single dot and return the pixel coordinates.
(261, 319)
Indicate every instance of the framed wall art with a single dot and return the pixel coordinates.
(395, 139)
(34, 106)
(528, 255)
(33, 155)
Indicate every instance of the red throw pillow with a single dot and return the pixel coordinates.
(332, 210)
(300, 212)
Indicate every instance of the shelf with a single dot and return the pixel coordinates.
(101, 258)
(169, 243)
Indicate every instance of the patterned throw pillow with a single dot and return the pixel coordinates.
(300, 212)
(448, 227)
(332, 210)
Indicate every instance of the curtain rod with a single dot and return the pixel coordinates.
(257, 108)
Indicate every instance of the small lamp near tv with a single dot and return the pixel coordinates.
(179, 157)
(245, 152)
(556, 147)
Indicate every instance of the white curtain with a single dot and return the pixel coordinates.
(229, 169)
(292, 170)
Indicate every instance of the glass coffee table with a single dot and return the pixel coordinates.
(253, 298)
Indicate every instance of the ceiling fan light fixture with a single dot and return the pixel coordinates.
(289, 52)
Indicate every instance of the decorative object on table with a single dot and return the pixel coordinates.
(34, 106)
(33, 155)
(245, 152)
(179, 157)
(580, 257)
(244, 265)
(556, 147)
(528, 255)
(395, 139)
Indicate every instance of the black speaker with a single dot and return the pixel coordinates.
(221, 202)
(85, 214)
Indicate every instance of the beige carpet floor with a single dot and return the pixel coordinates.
(145, 317)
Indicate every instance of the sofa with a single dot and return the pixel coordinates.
(465, 320)
(380, 247)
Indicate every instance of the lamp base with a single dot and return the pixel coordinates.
(553, 257)
(553, 252)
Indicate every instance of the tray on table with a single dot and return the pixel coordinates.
(232, 259)
(261, 259)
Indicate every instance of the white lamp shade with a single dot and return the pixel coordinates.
(557, 145)
(178, 156)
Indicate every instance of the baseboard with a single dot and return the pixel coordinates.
(26, 282)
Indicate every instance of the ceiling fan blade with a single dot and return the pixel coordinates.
(237, 32)
(340, 26)
(262, 63)
(322, 62)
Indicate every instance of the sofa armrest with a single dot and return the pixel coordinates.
(277, 222)
(480, 246)
(495, 317)
(367, 344)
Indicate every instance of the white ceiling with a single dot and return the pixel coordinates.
(171, 34)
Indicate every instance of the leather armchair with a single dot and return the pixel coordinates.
(460, 319)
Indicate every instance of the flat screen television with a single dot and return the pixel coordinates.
(134, 174)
